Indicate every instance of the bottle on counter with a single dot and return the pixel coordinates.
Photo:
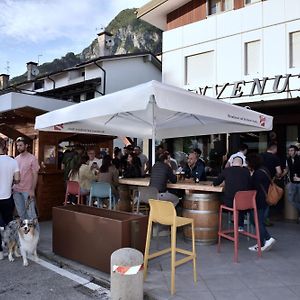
(196, 178)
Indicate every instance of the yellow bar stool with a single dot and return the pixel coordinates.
(163, 212)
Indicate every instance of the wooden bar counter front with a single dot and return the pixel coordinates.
(201, 202)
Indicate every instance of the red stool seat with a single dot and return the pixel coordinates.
(243, 200)
(73, 188)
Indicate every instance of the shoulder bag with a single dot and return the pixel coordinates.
(275, 192)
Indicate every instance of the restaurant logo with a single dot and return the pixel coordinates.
(58, 127)
(262, 121)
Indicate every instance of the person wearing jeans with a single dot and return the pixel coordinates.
(24, 192)
(260, 182)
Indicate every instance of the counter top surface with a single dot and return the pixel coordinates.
(204, 186)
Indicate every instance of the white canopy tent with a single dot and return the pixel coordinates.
(154, 110)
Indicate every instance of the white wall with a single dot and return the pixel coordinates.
(121, 73)
(127, 72)
(226, 33)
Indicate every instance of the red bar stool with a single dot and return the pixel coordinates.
(243, 200)
(73, 188)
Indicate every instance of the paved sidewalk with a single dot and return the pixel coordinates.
(274, 276)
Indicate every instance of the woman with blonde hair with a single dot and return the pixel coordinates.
(83, 174)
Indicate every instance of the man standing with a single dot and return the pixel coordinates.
(24, 192)
(9, 174)
(272, 163)
(144, 160)
(293, 169)
(241, 153)
(195, 167)
(161, 174)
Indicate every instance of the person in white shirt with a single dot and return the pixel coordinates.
(241, 153)
(93, 159)
(9, 174)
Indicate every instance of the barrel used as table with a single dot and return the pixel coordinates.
(204, 209)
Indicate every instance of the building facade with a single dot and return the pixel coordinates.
(245, 52)
(22, 102)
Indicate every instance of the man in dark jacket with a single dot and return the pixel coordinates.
(293, 169)
(161, 174)
(272, 163)
(195, 167)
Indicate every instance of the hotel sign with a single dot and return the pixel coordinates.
(256, 87)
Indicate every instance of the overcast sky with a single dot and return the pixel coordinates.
(32, 30)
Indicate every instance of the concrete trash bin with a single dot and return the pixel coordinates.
(126, 274)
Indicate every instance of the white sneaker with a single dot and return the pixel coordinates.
(254, 248)
(269, 244)
(1, 255)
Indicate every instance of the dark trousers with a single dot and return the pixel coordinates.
(6, 213)
(263, 232)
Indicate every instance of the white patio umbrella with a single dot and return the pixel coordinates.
(154, 110)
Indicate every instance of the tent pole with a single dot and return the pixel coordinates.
(152, 101)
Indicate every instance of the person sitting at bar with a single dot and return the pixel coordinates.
(92, 158)
(236, 179)
(133, 167)
(109, 173)
(173, 162)
(84, 175)
(195, 167)
(241, 153)
(116, 161)
(161, 174)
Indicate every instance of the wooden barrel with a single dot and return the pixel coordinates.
(204, 209)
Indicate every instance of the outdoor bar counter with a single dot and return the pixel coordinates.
(201, 202)
(202, 186)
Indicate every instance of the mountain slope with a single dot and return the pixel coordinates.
(130, 35)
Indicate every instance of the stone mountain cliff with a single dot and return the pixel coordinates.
(130, 35)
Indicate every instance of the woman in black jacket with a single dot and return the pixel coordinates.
(133, 167)
(260, 181)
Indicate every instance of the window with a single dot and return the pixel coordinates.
(252, 58)
(200, 69)
(217, 6)
(214, 6)
(295, 49)
(73, 74)
(227, 5)
(39, 84)
(76, 98)
(90, 95)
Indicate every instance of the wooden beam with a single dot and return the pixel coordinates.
(13, 133)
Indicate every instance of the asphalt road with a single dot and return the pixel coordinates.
(43, 280)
